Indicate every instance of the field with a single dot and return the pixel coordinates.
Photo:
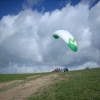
(72, 85)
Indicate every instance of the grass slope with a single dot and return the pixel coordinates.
(72, 85)
(11, 77)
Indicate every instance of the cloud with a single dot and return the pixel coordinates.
(30, 3)
(94, 21)
(27, 44)
(90, 3)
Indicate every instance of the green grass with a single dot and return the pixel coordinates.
(74, 85)
(11, 77)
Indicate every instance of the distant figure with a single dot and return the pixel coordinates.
(65, 69)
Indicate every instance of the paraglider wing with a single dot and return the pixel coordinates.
(67, 37)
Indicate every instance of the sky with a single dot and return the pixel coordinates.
(26, 35)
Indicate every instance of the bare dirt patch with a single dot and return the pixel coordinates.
(21, 90)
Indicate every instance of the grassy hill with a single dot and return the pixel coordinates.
(71, 85)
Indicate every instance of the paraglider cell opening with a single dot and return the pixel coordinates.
(56, 36)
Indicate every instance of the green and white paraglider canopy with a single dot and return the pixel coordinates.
(67, 37)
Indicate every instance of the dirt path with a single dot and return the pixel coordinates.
(21, 89)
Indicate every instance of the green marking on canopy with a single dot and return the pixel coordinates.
(72, 44)
(55, 36)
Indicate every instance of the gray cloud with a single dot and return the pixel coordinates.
(27, 44)
(94, 21)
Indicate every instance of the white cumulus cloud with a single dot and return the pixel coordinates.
(27, 43)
